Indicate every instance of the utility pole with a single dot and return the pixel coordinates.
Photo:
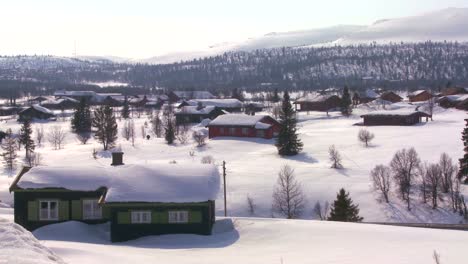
(224, 181)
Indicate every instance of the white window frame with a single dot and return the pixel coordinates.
(96, 209)
(178, 217)
(245, 131)
(49, 215)
(137, 217)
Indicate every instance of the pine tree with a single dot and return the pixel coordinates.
(81, 120)
(9, 151)
(346, 102)
(343, 209)
(125, 109)
(275, 98)
(106, 126)
(25, 137)
(288, 143)
(169, 128)
(463, 172)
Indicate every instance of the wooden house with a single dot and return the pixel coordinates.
(242, 125)
(35, 112)
(137, 200)
(176, 96)
(317, 102)
(419, 96)
(195, 114)
(454, 91)
(9, 110)
(229, 105)
(393, 118)
(368, 96)
(60, 104)
(450, 101)
(391, 97)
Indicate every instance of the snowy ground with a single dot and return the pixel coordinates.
(253, 164)
(261, 241)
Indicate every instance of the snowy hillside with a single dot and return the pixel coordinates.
(448, 24)
(250, 240)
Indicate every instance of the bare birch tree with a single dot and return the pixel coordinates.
(288, 198)
(56, 136)
(404, 165)
(335, 157)
(322, 211)
(380, 177)
(448, 169)
(433, 179)
(365, 136)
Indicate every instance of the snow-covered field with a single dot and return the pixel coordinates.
(252, 167)
(253, 164)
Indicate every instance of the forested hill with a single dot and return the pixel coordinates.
(398, 66)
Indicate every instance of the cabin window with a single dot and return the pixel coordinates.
(141, 217)
(48, 210)
(245, 131)
(260, 133)
(178, 216)
(92, 209)
(232, 131)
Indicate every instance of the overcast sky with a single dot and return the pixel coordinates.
(145, 28)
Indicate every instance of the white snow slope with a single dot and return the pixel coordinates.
(262, 241)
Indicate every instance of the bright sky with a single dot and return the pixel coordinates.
(146, 28)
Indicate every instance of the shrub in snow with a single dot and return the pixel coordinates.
(288, 198)
(335, 157)
(250, 205)
(199, 138)
(365, 136)
(183, 137)
(207, 160)
(56, 136)
(39, 135)
(322, 211)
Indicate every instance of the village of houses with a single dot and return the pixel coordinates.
(144, 186)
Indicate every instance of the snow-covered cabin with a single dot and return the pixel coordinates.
(317, 102)
(368, 96)
(419, 96)
(454, 91)
(394, 118)
(176, 96)
(391, 97)
(35, 112)
(458, 101)
(195, 114)
(138, 200)
(60, 104)
(230, 105)
(242, 125)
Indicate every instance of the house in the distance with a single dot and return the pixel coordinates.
(391, 97)
(60, 104)
(137, 200)
(317, 102)
(35, 112)
(394, 118)
(176, 96)
(195, 114)
(242, 125)
(454, 91)
(230, 105)
(368, 96)
(419, 96)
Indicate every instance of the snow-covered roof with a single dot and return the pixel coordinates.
(456, 97)
(370, 94)
(260, 125)
(40, 109)
(315, 98)
(194, 110)
(194, 94)
(224, 103)
(394, 113)
(237, 120)
(58, 101)
(416, 92)
(157, 182)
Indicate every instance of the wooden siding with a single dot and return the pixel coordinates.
(322, 106)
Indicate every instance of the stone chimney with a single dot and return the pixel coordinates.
(117, 158)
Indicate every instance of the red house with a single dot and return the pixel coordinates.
(241, 125)
(419, 96)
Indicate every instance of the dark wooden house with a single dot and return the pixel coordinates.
(391, 97)
(419, 96)
(368, 96)
(9, 110)
(454, 91)
(241, 125)
(137, 200)
(60, 104)
(195, 114)
(317, 102)
(35, 112)
(394, 118)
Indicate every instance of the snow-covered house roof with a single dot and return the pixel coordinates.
(221, 103)
(195, 110)
(40, 109)
(370, 94)
(241, 120)
(194, 94)
(415, 93)
(315, 98)
(395, 113)
(158, 182)
(455, 98)
(58, 101)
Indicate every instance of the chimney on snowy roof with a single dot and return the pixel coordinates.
(117, 158)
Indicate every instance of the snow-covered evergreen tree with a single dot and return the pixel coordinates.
(25, 137)
(288, 142)
(343, 209)
(346, 102)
